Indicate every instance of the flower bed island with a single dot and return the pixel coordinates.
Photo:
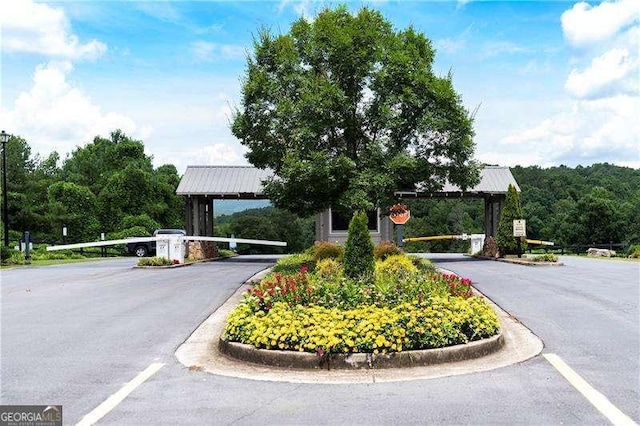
(308, 304)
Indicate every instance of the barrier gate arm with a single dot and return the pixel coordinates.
(236, 240)
(540, 242)
(437, 237)
(147, 239)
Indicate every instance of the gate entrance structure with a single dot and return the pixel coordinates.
(200, 185)
(492, 188)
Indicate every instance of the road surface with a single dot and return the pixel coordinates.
(75, 334)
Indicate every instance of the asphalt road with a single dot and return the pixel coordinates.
(73, 335)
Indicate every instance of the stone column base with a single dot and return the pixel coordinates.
(199, 250)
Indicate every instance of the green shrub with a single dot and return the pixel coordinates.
(512, 210)
(5, 253)
(41, 253)
(371, 329)
(634, 252)
(326, 250)
(386, 249)
(358, 250)
(225, 253)
(423, 265)
(154, 261)
(329, 270)
(15, 258)
(547, 257)
(294, 263)
(396, 265)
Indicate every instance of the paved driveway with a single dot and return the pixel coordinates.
(586, 312)
(73, 335)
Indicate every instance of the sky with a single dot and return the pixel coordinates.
(551, 83)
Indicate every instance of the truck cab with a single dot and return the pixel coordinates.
(148, 248)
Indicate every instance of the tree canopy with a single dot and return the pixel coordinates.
(108, 185)
(346, 110)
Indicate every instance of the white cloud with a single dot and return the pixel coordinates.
(611, 73)
(591, 131)
(450, 45)
(39, 28)
(534, 67)
(496, 48)
(207, 51)
(601, 123)
(584, 24)
(55, 115)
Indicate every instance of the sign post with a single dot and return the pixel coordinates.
(399, 215)
(519, 231)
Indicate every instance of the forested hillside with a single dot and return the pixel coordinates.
(267, 223)
(108, 185)
(585, 205)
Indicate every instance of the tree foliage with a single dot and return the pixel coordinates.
(267, 223)
(583, 205)
(108, 185)
(346, 110)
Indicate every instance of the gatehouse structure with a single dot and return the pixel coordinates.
(201, 185)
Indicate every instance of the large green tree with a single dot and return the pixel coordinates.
(346, 110)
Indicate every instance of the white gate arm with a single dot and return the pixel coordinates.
(236, 240)
(164, 238)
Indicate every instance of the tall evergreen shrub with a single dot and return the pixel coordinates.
(512, 210)
(358, 250)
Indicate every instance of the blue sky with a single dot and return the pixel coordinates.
(553, 82)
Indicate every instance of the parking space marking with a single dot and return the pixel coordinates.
(597, 399)
(110, 403)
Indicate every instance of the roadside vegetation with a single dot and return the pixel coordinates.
(40, 257)
(389, 302)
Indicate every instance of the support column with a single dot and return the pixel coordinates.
(202, 216)
(195, 208)
(488, 231)
(188, 215)
(493, 205)
(209, 230)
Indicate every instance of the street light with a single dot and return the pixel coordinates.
(5, 209)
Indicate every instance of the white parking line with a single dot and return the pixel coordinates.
(110, 403)
(597, 399)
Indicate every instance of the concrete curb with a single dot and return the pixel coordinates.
(406, 359)
(201, 352)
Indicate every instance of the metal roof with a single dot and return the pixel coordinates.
(246, 182)
(493, 180)
(223, 181)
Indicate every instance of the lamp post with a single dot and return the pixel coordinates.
(5, 209)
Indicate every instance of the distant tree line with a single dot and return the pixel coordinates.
(267, 223)
(108, 185)
(578, 206)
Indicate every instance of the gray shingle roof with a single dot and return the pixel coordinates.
(246, 182)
